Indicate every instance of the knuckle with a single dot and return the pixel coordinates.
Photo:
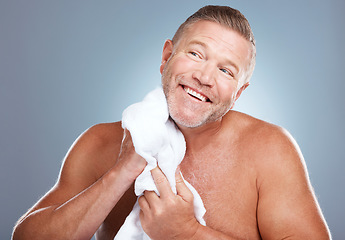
(159, 180)
(179, 180)
(140, 201)
(170, 202)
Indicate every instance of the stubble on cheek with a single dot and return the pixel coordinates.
(184, 113)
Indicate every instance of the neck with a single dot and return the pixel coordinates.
(199, 137)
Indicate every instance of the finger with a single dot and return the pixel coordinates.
(151, 197)
(143, 203)
(161, 182)
(182, 189)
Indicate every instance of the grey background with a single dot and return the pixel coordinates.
(66, 65)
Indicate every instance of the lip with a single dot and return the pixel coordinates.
(208, 100)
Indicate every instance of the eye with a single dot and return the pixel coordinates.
(194, 54)
(226, 71)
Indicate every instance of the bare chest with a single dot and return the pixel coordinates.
(227, 187)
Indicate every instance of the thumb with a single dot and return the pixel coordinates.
(182, 189)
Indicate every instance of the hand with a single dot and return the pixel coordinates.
(134, 164)
(169, 216)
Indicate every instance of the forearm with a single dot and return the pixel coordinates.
(79, 217)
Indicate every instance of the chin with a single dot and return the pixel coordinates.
(188, 121)
(189, 124)
(184, 121)
(196, 121)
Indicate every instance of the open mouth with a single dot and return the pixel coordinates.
(196, 95)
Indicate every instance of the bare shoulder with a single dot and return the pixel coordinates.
(100, 137)
(286, 205)
(92, 154)
(271, 148)
(102, 134)
(275, 151)
(261, 137)
(95, 151)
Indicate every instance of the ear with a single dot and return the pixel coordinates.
(239, 92)
(167, 51)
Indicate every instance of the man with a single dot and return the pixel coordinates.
(250, 174)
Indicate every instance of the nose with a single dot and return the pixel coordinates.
(205, 74)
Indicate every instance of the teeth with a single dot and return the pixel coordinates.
(195, 94)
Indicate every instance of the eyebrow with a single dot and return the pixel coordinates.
(197, 42)
(204, 45)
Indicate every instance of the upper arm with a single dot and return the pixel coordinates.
(287, 207)
(86, 161)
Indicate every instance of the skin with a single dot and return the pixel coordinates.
(205, 61)
(250, 174)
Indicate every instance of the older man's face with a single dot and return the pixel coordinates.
(201, 78)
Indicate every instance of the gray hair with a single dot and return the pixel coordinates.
(227, 17)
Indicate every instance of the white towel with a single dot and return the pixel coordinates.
(157, 139)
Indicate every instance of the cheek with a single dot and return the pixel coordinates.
(227, 90)
(181, 65)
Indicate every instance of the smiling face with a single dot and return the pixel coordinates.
(201, 74)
